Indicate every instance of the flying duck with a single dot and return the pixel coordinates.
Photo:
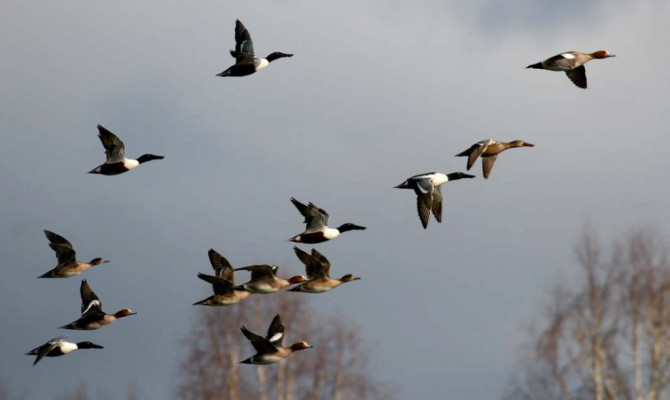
(223, 283)
(58, 347)
(489, 150)
(264, 279)
(317, 268)
(269, 349)
(572, 63)
(428, 193)
(67, 258)
(246, 62)
(317, 230)
(117, 163)
(92, 316)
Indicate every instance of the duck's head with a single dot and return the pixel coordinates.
(148, 157)
(300, 346)
(124, 313)
(98, 261)
(88, 345)
(350, 227)
(349, 278)
(458, 175)
(521, 143)
(277, 55)
(602, 54)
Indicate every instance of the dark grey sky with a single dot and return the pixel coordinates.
(376, 92)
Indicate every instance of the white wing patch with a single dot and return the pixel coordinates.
(276, 337)
(94, 303)
(569, 56)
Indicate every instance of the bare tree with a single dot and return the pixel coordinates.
(334, 369)
(607, 338)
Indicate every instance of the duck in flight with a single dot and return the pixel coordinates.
(428, 193)
(317, 268)
(92, 316)
(246, 62)
(223, 283)
(269, 349)
(264, 279)
(117, 163)
(67, 258)
(489, 150)
(59, 347)
(572, 63)
(316, 220)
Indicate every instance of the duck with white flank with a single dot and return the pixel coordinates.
(223, 283)
(59, 347)
(246, 62)
(269, 349)
(317, 229)
(264, 279)
(317, 268)
(92, 316)
(572, 63)
(428, 194)
(489, 150)
(117, 163)
(67, 258)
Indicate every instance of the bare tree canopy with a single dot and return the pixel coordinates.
(336, 368)
(607, 337)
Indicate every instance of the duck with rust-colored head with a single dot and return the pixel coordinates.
(92, 316)
(572, 63)
(264, 279)
(269, 349)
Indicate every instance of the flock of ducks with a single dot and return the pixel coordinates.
(264, 280)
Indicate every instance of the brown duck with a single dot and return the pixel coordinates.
(489, 150)
(67, 258)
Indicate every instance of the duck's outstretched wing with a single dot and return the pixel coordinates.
(578, 76)
(244, 46)
(114, 147)
(89, 300)
(65, 254)
(424, 202)
(219, 285)
(276, 332)
(221, 266)
(260, 272)
(261, 344)
(437, 204)
(57, 239)
(487, 165)
(316, 218)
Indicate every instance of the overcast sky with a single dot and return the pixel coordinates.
(377, 91)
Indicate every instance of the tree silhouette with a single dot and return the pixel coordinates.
(608, 337)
